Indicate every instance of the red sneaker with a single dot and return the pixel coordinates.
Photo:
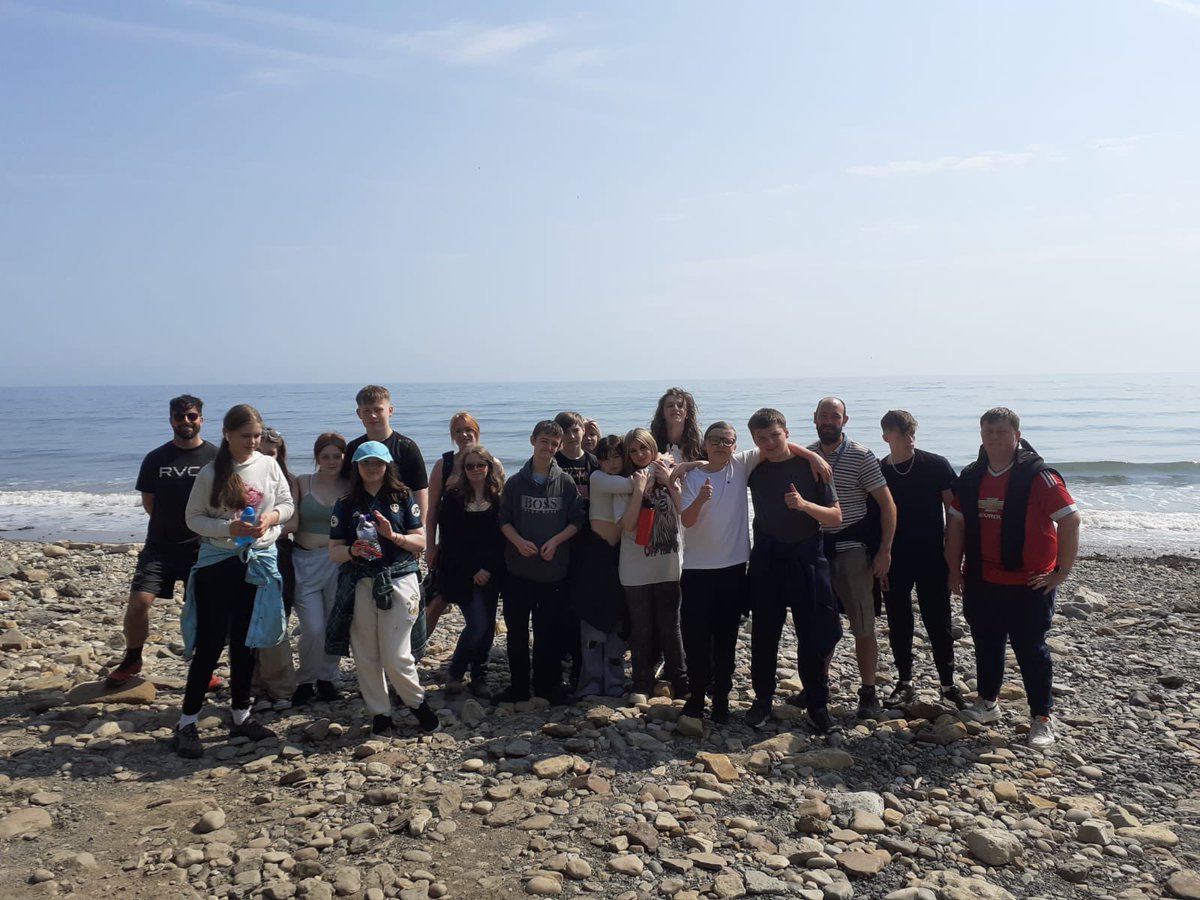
(122, 674)
(215, 684)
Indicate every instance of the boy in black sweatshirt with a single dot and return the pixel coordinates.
(540, 511)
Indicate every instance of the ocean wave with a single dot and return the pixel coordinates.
(72, 499)
(1111, 472)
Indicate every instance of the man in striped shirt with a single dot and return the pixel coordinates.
(859, 551)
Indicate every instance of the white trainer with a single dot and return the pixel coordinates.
(983, 711)
(1041, 733)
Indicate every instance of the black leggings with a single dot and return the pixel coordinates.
(928, 575)
(713, 601)
(224, 604)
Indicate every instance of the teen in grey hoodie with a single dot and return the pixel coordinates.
(540, 511)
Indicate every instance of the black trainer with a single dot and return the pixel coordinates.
(511, 695)
(303, 695)
(253, 730)
(902, 695)
(381, 725)
(694, 707)
(821, 721)
(328, 691)
(720, 710)
(951, 694)
(186, 742)
(427, 719)
(758, 713)
(800, 700)
(868, 703)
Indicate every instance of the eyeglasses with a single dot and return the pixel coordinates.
(722, 442)
(190, 417)
(475, 467)
(270, 434)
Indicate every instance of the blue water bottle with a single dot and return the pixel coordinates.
(249, 516)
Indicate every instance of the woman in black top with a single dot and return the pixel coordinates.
(471, 563)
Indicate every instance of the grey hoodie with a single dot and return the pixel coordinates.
(538, 513)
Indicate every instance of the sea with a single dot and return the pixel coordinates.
(1126, 444)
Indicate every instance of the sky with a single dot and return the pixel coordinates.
(196, 190)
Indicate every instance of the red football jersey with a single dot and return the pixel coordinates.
(1049, 501)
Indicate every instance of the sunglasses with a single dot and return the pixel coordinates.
(475, 466)
(190, 417)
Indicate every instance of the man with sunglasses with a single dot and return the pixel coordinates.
(165, 482)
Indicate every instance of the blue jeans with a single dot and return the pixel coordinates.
(475, 642)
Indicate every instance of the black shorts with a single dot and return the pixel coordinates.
(158, 569)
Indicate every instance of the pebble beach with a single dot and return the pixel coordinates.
(598, 799)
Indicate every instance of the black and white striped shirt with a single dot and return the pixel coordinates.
(856, 473)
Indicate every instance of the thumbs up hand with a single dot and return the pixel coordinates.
(793, 500)
(706, 492)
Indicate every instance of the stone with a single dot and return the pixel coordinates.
(642, 834)
(867, 823)
(1093, 831)
(852, 801)
(946, 731)
(952, 886)
(757, 882)
(626, 864)
(134, 691)
(718, 764)
(1075, 871)
(824, 759)
(29, 820)
(506, 813)
(543, 886)
(12, 639)
(1150, 835)
(709, 860)
(862, 863)
(729, 885)
(1184, 884)
(471, 713)
(993, 846)
(1005, 792)
(210, 821)
(689, 726)
(189, 856)
(577, 869)
(554, 767)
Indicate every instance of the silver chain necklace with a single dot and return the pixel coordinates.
(911, 462)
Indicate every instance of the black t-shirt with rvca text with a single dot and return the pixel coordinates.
(168, 473)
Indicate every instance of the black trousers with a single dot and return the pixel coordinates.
(928, 574)
(654, 616)
(544, 602)
(713, 602)
(224, 605)
(1000, 614)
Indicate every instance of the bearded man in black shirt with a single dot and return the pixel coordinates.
(165, 482)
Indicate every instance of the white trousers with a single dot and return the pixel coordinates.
(316, 588)
(382, 643)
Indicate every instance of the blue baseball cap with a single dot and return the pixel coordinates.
(372, 450)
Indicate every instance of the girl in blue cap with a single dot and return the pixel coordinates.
(375, 536)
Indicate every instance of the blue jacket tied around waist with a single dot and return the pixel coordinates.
(268, 622)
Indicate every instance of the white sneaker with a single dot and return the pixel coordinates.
(983, 711)
(1041, 733)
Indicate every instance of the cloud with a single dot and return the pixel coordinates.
(1185, 6)
(980, 162)
(352, 49)
(1122, 146)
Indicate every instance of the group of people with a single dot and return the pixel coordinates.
(596, 546)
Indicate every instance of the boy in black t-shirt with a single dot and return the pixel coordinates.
(165, 482)
(579, 464)
(374, 409)
(922, 485)
(788, 570)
